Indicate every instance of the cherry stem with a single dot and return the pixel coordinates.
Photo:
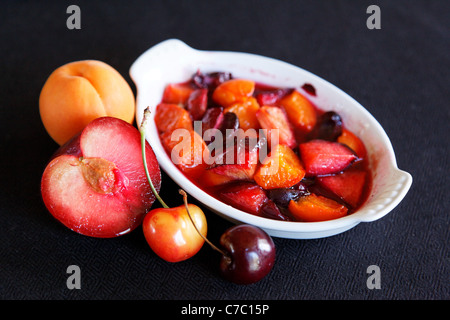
(184, 194)
(142, 132)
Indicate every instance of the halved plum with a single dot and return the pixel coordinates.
(101, 190)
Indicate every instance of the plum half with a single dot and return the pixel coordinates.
(96, 183)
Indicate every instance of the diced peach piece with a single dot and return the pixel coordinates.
(232, 91)
(187, 150)
(353, 142)
(300, 111)
(177, 93)
(282, 169)
(171, 116)
(271, 118)
(245, 110)
(313, 208)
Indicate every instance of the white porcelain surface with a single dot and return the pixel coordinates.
(174, 61)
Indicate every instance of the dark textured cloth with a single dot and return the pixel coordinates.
(400, 73)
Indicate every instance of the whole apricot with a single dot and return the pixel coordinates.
(81, 91)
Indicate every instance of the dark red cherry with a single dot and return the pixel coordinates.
(270, 210)
(329, 126)
(282, 196)
(250, 254)
(230, 121)
(309, 88)
(210, 80)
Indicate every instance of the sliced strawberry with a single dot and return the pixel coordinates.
(353, 142)
(322, 157)
(349, 185)
(171, 116)
(245, 110)
(281, 169)
(274, 118)
(177, 93)
(300, 111)
(197, 103)
(246, 196)
(313, 208)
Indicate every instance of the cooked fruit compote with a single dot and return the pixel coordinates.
(264, 150)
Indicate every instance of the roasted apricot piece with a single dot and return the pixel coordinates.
(353, 142)
(177, 93)
(300, 111)
(187, 150)
(313, 208)
(245, 110)
(210, 178)
(171, 116)
(281, 169)
(232, 91)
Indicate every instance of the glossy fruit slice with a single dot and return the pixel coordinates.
(197, 103)
(299, 110)
(353, 142)
(313, 208)
(322, 157)
(349, 185)
(233, 91)
(212, 179)
(272, 97)
(270, 210)
(96, 185)
(177, 93)
(243, 166)
(187, 151)
(170, 116)
(274, 118)
(328, 127)
(245, 110)
(246, 196)
(282, 196)
(212, 119)
(210, 80)
(281, 169)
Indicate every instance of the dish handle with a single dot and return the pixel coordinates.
(389, 196)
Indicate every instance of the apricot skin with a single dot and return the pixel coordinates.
(81, 91)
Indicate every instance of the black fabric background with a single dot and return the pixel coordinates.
(399, 73)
